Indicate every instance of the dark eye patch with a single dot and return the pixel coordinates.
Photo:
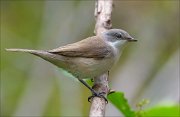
(113, 36)
(117, 35)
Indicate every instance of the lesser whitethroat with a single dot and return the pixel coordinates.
(88, 58)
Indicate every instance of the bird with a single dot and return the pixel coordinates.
(88, 58)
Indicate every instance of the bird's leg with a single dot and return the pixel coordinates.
(111, 90)
(94, 93)
(85, 84)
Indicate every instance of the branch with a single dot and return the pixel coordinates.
(103, 10)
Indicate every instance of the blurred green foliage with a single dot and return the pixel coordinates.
(163, 111)
(121, 103)
(32, 87)
(20, 26)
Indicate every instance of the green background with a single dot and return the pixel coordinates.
(147, 69)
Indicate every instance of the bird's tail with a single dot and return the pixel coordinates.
(53, 58)
(35, 52)
(41, 53)
(22, 50)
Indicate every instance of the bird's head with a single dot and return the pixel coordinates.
(117, 37)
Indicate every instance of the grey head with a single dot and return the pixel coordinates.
(117, 37)
(118, 34)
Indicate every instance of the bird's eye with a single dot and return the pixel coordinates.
(118, 35)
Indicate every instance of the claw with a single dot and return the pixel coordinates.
(111, 91)
(97, 95)
(90, 98)
(94, 94)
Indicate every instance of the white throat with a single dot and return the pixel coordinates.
(119, 45)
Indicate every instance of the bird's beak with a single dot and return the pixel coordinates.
(131, 39)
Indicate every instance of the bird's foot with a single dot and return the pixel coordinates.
(111, 91)
(94, 93)
(101, 95)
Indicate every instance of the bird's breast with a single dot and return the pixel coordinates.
(82, 67)
(89, 67)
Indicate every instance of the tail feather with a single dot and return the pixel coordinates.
(21, 50)
(40, 53)
(53, 58)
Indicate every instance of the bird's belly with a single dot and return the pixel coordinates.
(88, 67)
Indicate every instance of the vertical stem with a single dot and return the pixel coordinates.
(103, 10)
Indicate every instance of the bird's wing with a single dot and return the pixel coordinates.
(91, 47)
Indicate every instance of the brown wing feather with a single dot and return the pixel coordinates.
(85, 48)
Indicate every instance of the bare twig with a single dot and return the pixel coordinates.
(103, 10)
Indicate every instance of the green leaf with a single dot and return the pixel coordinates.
(164, 111)
(89, 82)
(121, 103)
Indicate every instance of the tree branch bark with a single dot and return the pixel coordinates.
(103, 10)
